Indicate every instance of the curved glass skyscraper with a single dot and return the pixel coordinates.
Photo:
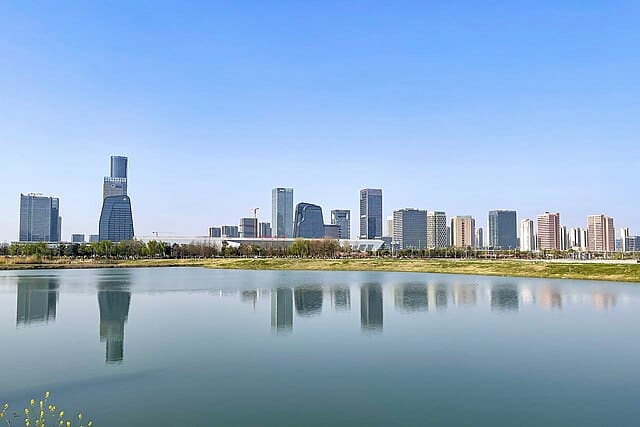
(309, 223)
(116, 219)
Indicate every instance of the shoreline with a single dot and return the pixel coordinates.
(625, 272)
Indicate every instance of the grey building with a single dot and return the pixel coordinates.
(215, 232)
(282, 212)
(632, 243)
(410, 228)
(248, 227)
(94, 238)
(479, 237)
(77, 238)
(309, 222)
(331, 231)
(503, 229)
(437, 230)
(40, 219)
(342, 218)
(371, 213)
(230, 231)
(265, 230)
(116, 218)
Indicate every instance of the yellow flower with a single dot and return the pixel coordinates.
(33, 402)
(61, 414)
(26, 411)
(46, 395)
(68, 423)
(80, 416)
(90, 424)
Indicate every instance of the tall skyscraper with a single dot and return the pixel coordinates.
(282, 212)
(479, 237)
(410, 228)
(624, 233)
(549, 231)
(564, 238)
(463, 231)
(116, 218)
(601, 233)
(437, 235)
(371, 213)
(309, 222)
(248, 228)
(265, 231)
(389, 230)
(503, 229)
(40, 219)
(575, 238)
(342, 218)
(527, 236)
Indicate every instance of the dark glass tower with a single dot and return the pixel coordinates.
(40, 219)
(371, 213)
(503, 229)
(309, 223)
(116, 218)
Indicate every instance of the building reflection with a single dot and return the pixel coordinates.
(603, 301)
(37, 300)
(550, 298)
(464, 295)
(114, 300)
(411, 298)
(504, 298)
(437, 296)
(282, 310)
(371, 308)
(308, 301)
(341, 298)
(249, 296)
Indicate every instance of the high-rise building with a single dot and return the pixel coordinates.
(248, 228)
(548, 231)
(585, 240)
(40, 219)
(624, 233)
(264, 229)
(116, 218)
(575, 238)
(632, 243)
(331, 231)
(282, 212)
(564, 238)
(437, 234)
(389, 231)
(309, 222)
(342, 218)
(503, 229)
(600, 233)
(463, 231)
(410, 228)
(94, 238)
(371, 213)
(479, 237)
(77, 238)
(215, 232)
(230, 231)
(527, 236)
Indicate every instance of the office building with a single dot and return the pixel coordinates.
(264, 229)
(248, 228)
(342, 218)
(116, 218)
(463, 231)
(331, 231)
(215, 232)
(309, 222)
(527, 236)
(548, 231)
(371, 213)
(40, 219)
(77, 238)
(600, 233)
(632, 243)
(575, 238)
(410, 228)
(230, 231)
(282, 212)
(437, 234)
(479, 238)
(564, 238)
(94, 238)
(503, 229)
(389, 231)
(624, 233)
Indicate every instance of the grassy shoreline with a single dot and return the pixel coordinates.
(536, 269)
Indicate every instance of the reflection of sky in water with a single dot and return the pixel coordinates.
(177, 331)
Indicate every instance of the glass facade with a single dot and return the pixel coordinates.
(410, 228)
(342, 218)
(116, 219)
(119, 167)
(282, 212)
(309, 223)
(371, 213)
(503, 229)
(40, 219)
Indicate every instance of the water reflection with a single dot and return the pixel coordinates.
(371, 308)
(411, 297)
(550, 298)
(504, 298)
(464, 295)
(341, 298)
(282, 310)
(114, 300)
(603, 301)
(37, 300)
(308, 301)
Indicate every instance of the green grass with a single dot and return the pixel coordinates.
(597, 271)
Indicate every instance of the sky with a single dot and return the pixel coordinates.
(459, 106)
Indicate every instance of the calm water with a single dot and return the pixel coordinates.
(196, 347)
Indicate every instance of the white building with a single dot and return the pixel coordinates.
(527, 236)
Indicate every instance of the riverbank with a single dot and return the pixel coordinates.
(620, 272)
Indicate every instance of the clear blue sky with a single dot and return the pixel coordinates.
(456, 106)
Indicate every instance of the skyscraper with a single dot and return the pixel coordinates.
(371, 213)
(40, 219)
(527, 236)
(463, 231)
(549, 231)
(410, 228)
(479, 237)
(600, 233)
(264, 229)
(503, 229)
(309, 222)
(282, 212)
(248, 228)
(342, 218)
(437, 235)
(624, 234)
(229, 231)
(564, 238)
(116, 218)
(215, 232)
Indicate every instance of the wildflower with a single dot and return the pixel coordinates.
(33, 402)
(90, 424)
(80, 416)
(46, 395)
(61, 414)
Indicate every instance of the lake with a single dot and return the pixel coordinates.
(198, 347)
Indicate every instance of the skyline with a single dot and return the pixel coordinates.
(445, 107)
